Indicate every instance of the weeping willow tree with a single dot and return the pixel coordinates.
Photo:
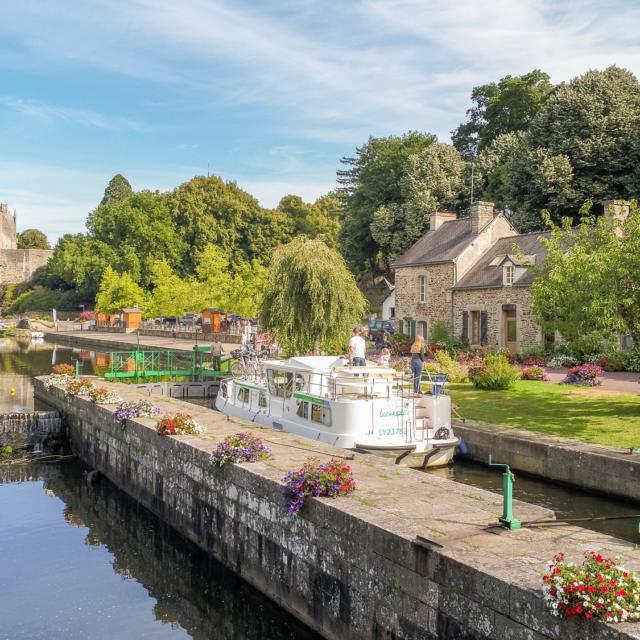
(311, 300)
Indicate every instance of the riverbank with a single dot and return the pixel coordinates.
(100, 341)
(407, 556)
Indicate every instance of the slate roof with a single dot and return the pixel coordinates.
(442, 245)
(483, 275)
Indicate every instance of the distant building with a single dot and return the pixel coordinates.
(16, 265)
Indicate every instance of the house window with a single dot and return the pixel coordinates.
(422, 329)
(508, 274)
(475, 327)
(422, 282)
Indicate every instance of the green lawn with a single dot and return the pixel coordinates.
(587, 414)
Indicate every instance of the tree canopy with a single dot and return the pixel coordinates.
(504, 107)
(311, 300)
(118, 189)
(32, 239)
(118, 291)
(589, 284)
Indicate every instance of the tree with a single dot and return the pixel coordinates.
(433, 179)
(171, 295)
(372, 179)
(590, 282)
(311, 300)
(32, 239)
(318, 220)
(582, 144)
(505, 107)
(117, 190)
(119, 291)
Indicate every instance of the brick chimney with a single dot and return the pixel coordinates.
(617, 210)
(438, 218)
(481, 215)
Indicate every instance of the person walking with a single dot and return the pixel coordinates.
(417, 362)
(357, 349)
(216, 354)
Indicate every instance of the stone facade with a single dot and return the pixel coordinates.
(16, 265)
(439, 278)
(492, 302)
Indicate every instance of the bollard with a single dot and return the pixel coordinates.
(77, 367)
(507, 518)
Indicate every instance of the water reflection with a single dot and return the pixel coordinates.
(98, 565)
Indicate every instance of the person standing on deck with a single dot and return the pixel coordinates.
(417, 362)
(357, 348)
(216, 354)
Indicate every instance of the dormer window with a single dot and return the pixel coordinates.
(508, 274)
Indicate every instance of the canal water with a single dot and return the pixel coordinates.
(87, 562)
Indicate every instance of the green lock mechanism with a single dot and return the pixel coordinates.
(77, 367)
(507, 518)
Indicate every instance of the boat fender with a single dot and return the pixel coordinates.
(463, 448)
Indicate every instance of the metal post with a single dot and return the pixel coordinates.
(507, 518)
(77, 368)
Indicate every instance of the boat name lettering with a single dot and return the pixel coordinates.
(390, 414)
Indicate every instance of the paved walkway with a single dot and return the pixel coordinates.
(152, 342)
(622, 381)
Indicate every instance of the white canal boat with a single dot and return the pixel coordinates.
(364, 408)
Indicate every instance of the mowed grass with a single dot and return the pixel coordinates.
(590, 415)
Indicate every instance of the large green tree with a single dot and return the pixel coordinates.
(370, 180)
(320, 219)
(311, 300)
(590, 282)
(503, 107)
(119, 291)
(32, 239)
(433, 179)
(118, 189)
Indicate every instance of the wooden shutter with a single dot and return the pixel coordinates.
(483, 327)
(401, 326)
(465, 326)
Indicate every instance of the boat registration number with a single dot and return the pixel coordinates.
(390, 431)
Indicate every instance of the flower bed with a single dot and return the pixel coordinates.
(102, 395)
(240, 447)
(135, 409)
(178, 424)
(79, 387)
(56, 378)
(534, 373)
(585, 374)
(63, 370)
(599, 588)
(535, 362)
(331, 479)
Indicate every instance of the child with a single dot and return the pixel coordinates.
(385, 357)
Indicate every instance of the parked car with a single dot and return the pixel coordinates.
(378, 327)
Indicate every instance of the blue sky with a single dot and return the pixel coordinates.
(270, 93)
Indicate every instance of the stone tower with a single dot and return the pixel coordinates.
(7, 227)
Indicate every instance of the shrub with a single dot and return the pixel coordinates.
(85, 316)
(178, 424)
(562, 361)
(332, 479)
(535, 362)
(63, 369)
(440, 332)
(613, 361)
(433, 348)
(632, 361)
(533, 352)
(240, 447)
(401, 343)
(584, 374)
(534, 373)
(495, 374)
(446, 364)
(599, 588)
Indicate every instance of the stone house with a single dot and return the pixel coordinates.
(473, 274)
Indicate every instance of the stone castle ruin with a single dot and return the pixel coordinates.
(16, 265)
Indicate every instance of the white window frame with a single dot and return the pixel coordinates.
(422, 284)
(509, 274)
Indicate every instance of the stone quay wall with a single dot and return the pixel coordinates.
(24, 430)
(352, 568)
(613, 472)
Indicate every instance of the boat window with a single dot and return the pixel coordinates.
(262, 399)
(280, 383)
(303, 409)
(301, 383)
(321, 414)
(243, 394)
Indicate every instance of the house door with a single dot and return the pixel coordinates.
(510, 328)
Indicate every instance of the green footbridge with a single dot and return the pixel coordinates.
(140, 366)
